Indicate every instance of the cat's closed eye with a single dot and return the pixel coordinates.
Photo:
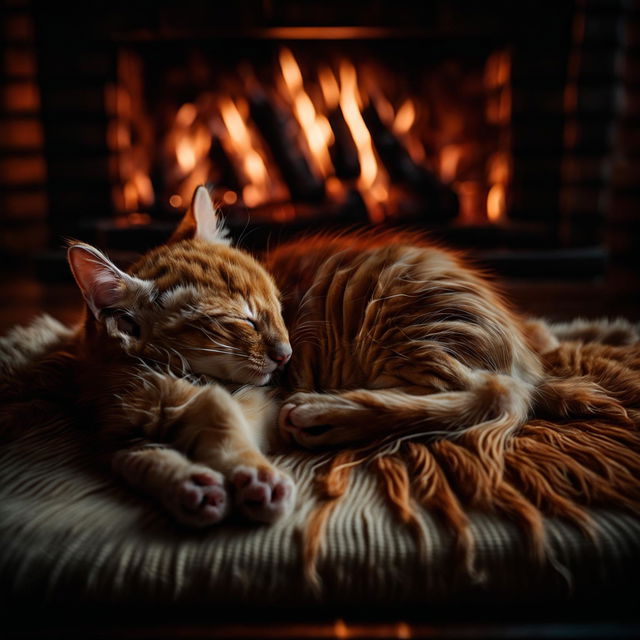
(126, 324)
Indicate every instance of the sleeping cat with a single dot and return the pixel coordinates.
(420, 341)
(172, 358)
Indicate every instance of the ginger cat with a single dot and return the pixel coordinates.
(172, 358)
(420, 342)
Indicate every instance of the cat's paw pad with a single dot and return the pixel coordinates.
(199, 499)
(263, 494)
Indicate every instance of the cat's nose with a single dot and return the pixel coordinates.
(280, 353)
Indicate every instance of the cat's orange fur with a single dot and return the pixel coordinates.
(419, 341)
(170, 359)
(409, 359)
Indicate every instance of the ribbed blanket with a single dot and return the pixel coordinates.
(412, 525)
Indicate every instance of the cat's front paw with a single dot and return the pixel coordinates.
(315, 420)
(264, 494)
(198, 498)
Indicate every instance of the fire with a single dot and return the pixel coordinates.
(185, 155)
(497, 70)
(499, 171)
(449, 159)
(330, 88)
(496, 202)
(405, 117)
(253, 165)
(136, 192)
(186, 115)
(346, 119)
(192, 139)
(370, 180)
(498, 168)
(315, 126)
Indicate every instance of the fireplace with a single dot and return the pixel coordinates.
(493, 126)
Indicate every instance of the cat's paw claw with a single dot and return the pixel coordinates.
(200, 499)
(263, 494)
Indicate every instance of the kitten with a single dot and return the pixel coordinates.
(421, 342)
(172, 358)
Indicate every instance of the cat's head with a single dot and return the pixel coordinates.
(195, 303)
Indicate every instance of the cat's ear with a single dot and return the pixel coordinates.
(201, 221)
(102, 284)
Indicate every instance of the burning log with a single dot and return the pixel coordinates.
(353, 208)
(441, 201)
(344, 153)
(277, 132)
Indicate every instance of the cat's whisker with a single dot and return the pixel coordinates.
(226, 353)
(210, 336)
(181, 358)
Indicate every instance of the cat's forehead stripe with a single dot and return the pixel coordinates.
(210, 274)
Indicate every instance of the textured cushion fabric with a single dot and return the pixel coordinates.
(70, 531)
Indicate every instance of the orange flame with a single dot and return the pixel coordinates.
(496, 202)
(405, 117)
(252, 163)
(371, 182)
(185, 154)
(330, 88)
(499, 171)
(192, 139)
(315, 126)
(498, 168)
(137, 191)
(450, 156)
(186, 115)
(497, 70)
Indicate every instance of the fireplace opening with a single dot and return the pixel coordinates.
(373, 134)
